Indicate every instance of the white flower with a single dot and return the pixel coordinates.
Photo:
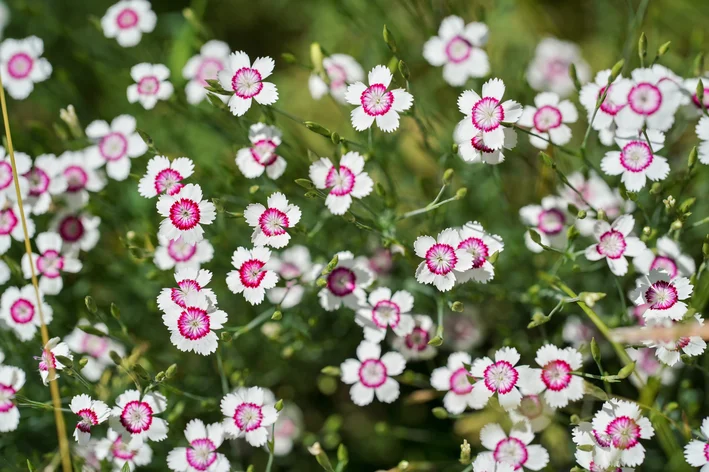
(45, 180)
(127, 20)
(576, 332)
(485, 116)
(702, 131)
(50, 263)
(481, 245)
(669, 258)
(185, 212)
(377, 102)
(23, 162)
(79, 231)
(621, 424)
(346, 283)
(342, 70)
(534, 411)
(150, 85)
(11, 226)
(615, 243)
(695, 452)
(270, 224)
(11, 380)
(212, 58)
(177, 254)
(371, 373)
(189, 280)
(648, 366)
(91, 413)
(115, 145)
(688, 87)
(637, 161)
(122, 452)
(288, 427)
(549, 220)
(54, 347)
(134, 417)
(668, 351)
(599, 458)
(201, 455)
(247, 415)
(164, 177)
(261, 156)
(192, 326)
(22, 66)
(386, 310)
(82, 176)
(94, 348)
(251, 277)
(502, 377)
(547, 119)
(549, 70)
(487, 463)
(18, 309)
(246, 81)
(557, 382)
(663, 295)
(345, 181)
(453, 379)
(592, 91)
(295, 268)
(473, 150)
(444, 259)
(515, 449)
(414, 346)
(458, 48)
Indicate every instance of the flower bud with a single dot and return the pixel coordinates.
(699, 65)
(277, 315)
(440, 413)
(656, 188)
(700, 93)
(379, 189)
(305, 183)
(625, 372)
(465, 452)
(574, 419)
(170, 371)
(460, 194)
(572, 233)
(581, 214)
(141, 372)
(88, 329)
(331, 370)
(316, 57)
(615, 71)
(403, 465)
(115, 357)
(90, 304)
(226, 336)
(447, 176)
(335, 138)
(289, 58)
(435, 341)
(68, 116)
(321, 282)
(676, 225)
(642, 47)
(590, 298)
(115, 311)
(349, 217)
(595, 351)
(535, 236)
(547, 159)
(159, 377)
(65, 361)
(574, 76)
(279, 405)
(686, 205)
(331, 265)
(601, 215)
(457, 306)
(404, 70)
(692, 160)
(253, 189)
(454, 148)
(662, 50)
(389, 39)
(316, 128)
(311, 194)
(342, 454)
(83, 361)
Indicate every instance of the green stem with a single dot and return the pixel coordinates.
(271, 449)
(568, 151)
(426, 209)
(222, 373)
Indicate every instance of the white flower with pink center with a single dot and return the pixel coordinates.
(534, 411)
(341, 70)
(444, 259)
(669, 351)
(192, 325)
(127, 20)
(116, 144)
(414, 346)
(689, 99)
(23, 162)
(636, 161)
(18, 309)
(212, 58)
(702, 130)
(261, 156)
(185, 212)
(22, 65)
(550, 220)
(487, 463)
(295, 268)
(696, 452)
(50, 263)
(346, 283)
(386, 311)
(45, 180)
(599, 457)
(48, 360)
(548, 119)
(251, 277)
(615, 244)
(589, 95)
(94, 348)
(247, 415)
(246, 82)
(648, 366)
(667, 256)
(79, 231)
(82, 175)
(458, 49)
(558, 383)
(474, 151)
(122, 452)
(11, 226)
(488, 115)
(345, 181)
(371, 373)
(663, 295)
(151, 84)
(549, 70)
(651, 98)
(91, 413)
(453, 379)
(201, 455)
(622, 425)
(376, 102)
(189, 281)
(514, 449)
(481, 245)
(11, 380)
(165, 177)
(502, 377)
(134, 418)
(177, 254)
(271, 223)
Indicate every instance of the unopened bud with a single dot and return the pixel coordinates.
(141, 372)
(115, 357)
(656, 188)
(440, 413)
(574, 419)
(311, 194)
(700, 92)
(625, 372)
(581, 214)
(574, 76)
(159, 377)
(90, 304)
(457, 306)
(331, 370)
(595, 351)
(289, 58)
(379, 189)
(699, 65)
(615, 71)
(349, 217)
(447, 176)
(279, 405)
(535, 236)
(601, 215)
(435, 341)
(316, 128)
(547, 159)
(465, 452)
(305, 183)
(342, 455)
(83, 361)
(253, 189)
(461, 193)
(226, 336)
(642, 47)
(335, 138)
(590, 298)
(662, 50)
(454, 148)
(321, 282)
(389, 39)
(404, 70)
(115, 311)
(277, 315)
(316, 57)
(572, 233)
(686, 205)
(170, 371)
(676, 225)
(692, 160)
(331, 265)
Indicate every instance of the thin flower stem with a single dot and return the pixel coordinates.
(222, 373)
(700, 222)
(621, 295)
(599, 102)
(568, 151)
(252, 324)
(426, 209)
(302, 122)
(186, 394)
(271, 448)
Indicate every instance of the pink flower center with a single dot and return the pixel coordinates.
(478, 249)
(20, 65)
(8, 221)
(500, 377)
(557, 68)
(252, 273)
(418, 339)
(636, 156)
(612, 244)
(208, 69)
(95, 346)
(76, 178)
(546, 118)
(148, 85)
(185, 214)
(706, 451)
(511, 451)
(7, 393)
(39, 181)
(289, 271)
(193, 323)
(661, 295)
(113, 146)
(22, 311)
(376, 100)
(128, 18)
(337, 75)
(624, 432)
(263, 152)
(88, 419)
(665, 263)
(120, 450)
(458, 49)
(168, 181)
(372, 373)
(531, 407)
(273, 222)
(556, 375)
(201, 454)
(136, 417)
(71, 229)
(551, 221)
(47, 360)
(608, 105)
(479, 144)
(246, 83)
(441, 258)
(50, 264)
(5, 174)
(341, 281)
(248, 417)
(180, 251)
(602, 439)
(342, 181)
(186, 286)
(645, 99)
(459, 383)
(386, 313)
(682, 343)
(487, 114)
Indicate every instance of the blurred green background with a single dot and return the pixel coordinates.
(91, 72)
